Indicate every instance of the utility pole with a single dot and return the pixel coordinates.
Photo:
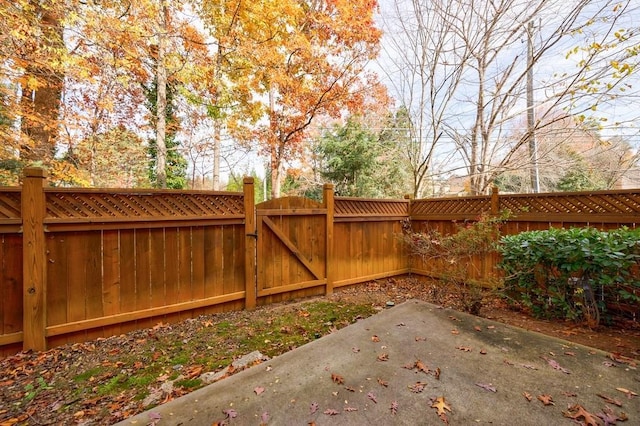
(533, 148)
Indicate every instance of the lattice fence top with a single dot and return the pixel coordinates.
(10, 204)
(451, 206)
(356, 207)
(608, 203)
(62, 204)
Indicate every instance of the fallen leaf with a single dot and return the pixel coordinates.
(436, 373)
(464, 348)
(349, 388)
(618, 357)
(154, 418)
(452, 318)
(350, 409)
(578, 413)
(355, 350)
(569, 394)
(383, 383)
(394, 407)
(417, 387)
(483, 352)
(313, 408)
(337, 378)
(527, 396)
(440, 404)
(528, 366)
(630, 394)
(487, 387)
(383, 357)
(455, 332)
(610, 400)
(230, 413)
(258, 390)
(610, 418)
(420, 339)
(570, 353)
(477, 328)
(372, 397)
(546, 399)
(554, 364)
(421, 367)
(331, 412)
(375, 339)
(264, 418)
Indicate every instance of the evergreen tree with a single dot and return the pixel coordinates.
(176, 163)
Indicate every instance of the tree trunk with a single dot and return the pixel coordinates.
(161, 123)
(41, 106)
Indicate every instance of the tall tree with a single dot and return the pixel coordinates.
(486, 93)
(423, 61)
(305, 59)
(360, 163)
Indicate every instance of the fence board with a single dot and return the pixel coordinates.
(127, 274)
(111, 275)
(143, 273)
(171, 271)
(11, 283)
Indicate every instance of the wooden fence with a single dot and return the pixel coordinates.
(599, 209)
(77, 264)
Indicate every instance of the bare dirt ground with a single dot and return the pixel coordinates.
(105, 381)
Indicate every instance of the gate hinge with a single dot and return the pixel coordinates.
(254, 235)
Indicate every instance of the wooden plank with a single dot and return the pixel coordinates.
(157, 267)
(145, 314)
(198, 264)
(239, 283)
(93, 280)
(250, 244)
(293, 212)
(284, 289)
(185, 276)
(33, 205)
(329, 264)
(127, 261)
(143, 273)
(86, 224)
(77, 260)
(111, 274)
(9, 338)
(365, 278)
(227, 283)
(11, 284)
(172, 271)
(213, 248)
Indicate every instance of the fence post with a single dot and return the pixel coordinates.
(34, 272)
(329, 204)
(408, 259)
(250, 239)
(495, 201)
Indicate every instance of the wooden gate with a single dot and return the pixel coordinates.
(292, 249)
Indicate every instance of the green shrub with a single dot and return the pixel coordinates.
(572, 273)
